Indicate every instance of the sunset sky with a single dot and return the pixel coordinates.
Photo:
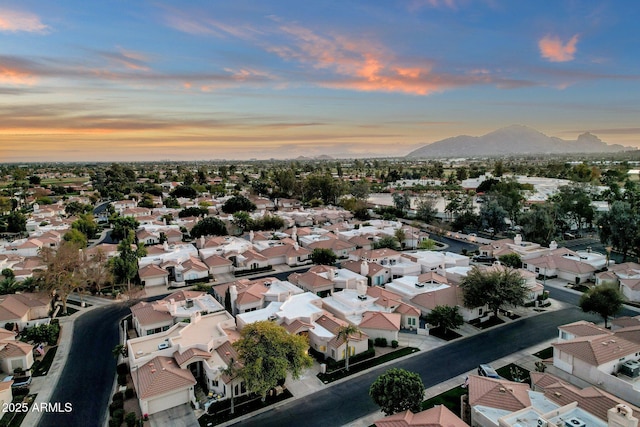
(205, 80)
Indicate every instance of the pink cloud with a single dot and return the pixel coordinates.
(202, 25)
(552, 48)
(16, 76)
(363, 65)
(15, 21)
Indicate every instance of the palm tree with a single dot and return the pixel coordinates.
(345, 332)
(231, 371)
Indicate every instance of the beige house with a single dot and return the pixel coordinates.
(14, 354)
(152, 275)
(438, 416)
(25, 309)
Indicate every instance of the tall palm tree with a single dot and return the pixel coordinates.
(345, 332)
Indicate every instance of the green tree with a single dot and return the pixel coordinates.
(16, 222)
(125, 266)
(397, 390)
(619, 227)
(76, 237)
(238, 203)
(386, 242)
(538, 224)
(345, 333)
(574, 205)
(122, 226)
(209, 226)
(184, 191)
(360, 190)
(445, 318)
(426, 210)
(492, 215)
(322, 256)
(242, 220)
(268, 353)
(427, 244)
(402, 201)
(193, 211)
(604, 300)
(511, 260)
(86, 225)
(495, 288)
(74, 208)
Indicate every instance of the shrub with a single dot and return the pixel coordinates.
(118, 396)
(394, 344)
(380, 342)
(128, 393)
(130, 419)
(122, 369)
(122, 379)
(115, 406)
(9, 326)
(118, 416)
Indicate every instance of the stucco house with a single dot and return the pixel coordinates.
(25, 309)
(152, 275)
(14, 354)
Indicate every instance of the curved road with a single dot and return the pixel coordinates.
(88, 375)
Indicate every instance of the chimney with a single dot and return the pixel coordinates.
(553, 245)
(621, 416)
(201, 242)
(364, 268)
(233, 293)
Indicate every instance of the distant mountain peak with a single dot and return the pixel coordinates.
(513, 140)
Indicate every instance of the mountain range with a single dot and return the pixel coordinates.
(512, 140)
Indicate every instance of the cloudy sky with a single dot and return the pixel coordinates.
(155, 80)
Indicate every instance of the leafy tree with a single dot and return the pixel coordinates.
(538, 224)
(238, 203)
(64, 272)
(74, 208)
(125, 266)
(86, 225)
(397, 390)
(426, 210)
(193, 211)
(267, 222)
(268, 353)
(122, 226)
(511, 260)
(386, 242)
(242, 220)
(184, 191)
(603, 300)
(445, 317)
(495, 288)
(97, 271)
(573, 203)
(427, 244)
(401, 201)
(619, 226)
(360, 190)
(76, 237)
(322, 256)
(492, 215)
(34, 180)
(209, 226)
(171, 202)
(345, 333)
(16, 222)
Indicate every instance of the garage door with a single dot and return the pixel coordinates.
(168, 401)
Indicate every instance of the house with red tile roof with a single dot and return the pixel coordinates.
(377, 274)
(153, 275)
(438, 416)
(379, 324)
(289, 254)
(609, 358)
(14, 354)
(25, 309)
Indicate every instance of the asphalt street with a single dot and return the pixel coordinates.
(348, 401)
(88, 375)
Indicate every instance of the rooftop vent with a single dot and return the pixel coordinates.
(574, 422)
(362, 297)
(188, 303)
(419, 285)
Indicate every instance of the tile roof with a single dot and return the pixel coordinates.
(313, 280)
(582, 328)
(438, 416)
(152, 270)
(147, 314)
(161, 375)
(626, 321)
(499, 394)
(430, 300)
(381, 320)
(216, 261)
(598, 349)
(297, 326)
(183, 295)
(591, 399)
(227, 352)
(15, 349)
(189, 354)
(252, 293)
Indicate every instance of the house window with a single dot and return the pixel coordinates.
(323, 348)
(537, 269)
(214, 383)
(524, 265)
(479, 312)
(564, 335)
(333, 353)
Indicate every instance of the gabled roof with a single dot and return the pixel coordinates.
(147, 314)
(227, 353)
(217, 261)
(152, 270)
(438, 416)
(251, 293)
(189, 354)
(313, 280)
(381, 320)
(430, 300)
(598, 349)
(374, 268)
(498, 394)
(161, 375)
(582, 328)
(184, 295)
(333, 244)
(625, 321)
(591, 399)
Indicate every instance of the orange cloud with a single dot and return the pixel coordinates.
(15, 76)
(552, 48)
(15, 21)
(365, 66)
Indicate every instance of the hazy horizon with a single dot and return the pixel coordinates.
(152, 81)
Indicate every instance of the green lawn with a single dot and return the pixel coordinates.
(450, 399)
(365, 364)
(14, 419)
(219, 412)
(546, 353)
(41, 367)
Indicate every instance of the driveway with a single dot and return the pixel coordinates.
(180, 416)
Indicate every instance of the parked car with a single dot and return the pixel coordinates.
(21, 382)
(484, 259)
(487, 371)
